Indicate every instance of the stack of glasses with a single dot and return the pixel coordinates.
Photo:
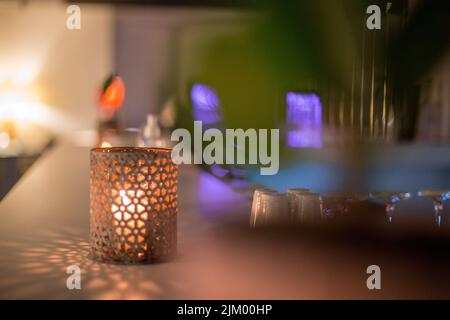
(301, 205)
(270, 206)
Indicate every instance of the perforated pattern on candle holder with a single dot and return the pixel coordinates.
(133, 205)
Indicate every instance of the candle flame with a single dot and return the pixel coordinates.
(125, 200)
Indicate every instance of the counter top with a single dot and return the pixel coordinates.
(44, 228)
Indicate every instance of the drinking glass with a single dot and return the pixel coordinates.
(439, 197)
(337, 204)
(272, 207)
(256, 213)
(292, 202)
(390, 199)
(308, 207)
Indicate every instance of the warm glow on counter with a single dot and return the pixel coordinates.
(4, 140)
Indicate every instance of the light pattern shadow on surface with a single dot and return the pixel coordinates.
(37, 269)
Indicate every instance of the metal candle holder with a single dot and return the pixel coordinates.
(133, 205)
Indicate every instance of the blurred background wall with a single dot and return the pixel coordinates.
(48, 78)
(57, 67)
(157, 49)
(251, 58)
(149, 47)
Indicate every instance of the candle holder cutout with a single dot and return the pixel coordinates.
(133, 205)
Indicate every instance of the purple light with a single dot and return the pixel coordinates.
(205, 104)
(207, 117)
(237, 172)
(214, 196)
(218, 171)
(303, 120)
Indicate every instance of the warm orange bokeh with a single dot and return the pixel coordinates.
(114, 95)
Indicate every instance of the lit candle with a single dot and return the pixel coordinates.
(133, 204)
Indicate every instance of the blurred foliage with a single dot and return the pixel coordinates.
(306, 45)
(291, 46)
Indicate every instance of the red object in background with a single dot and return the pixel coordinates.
(112, 94)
